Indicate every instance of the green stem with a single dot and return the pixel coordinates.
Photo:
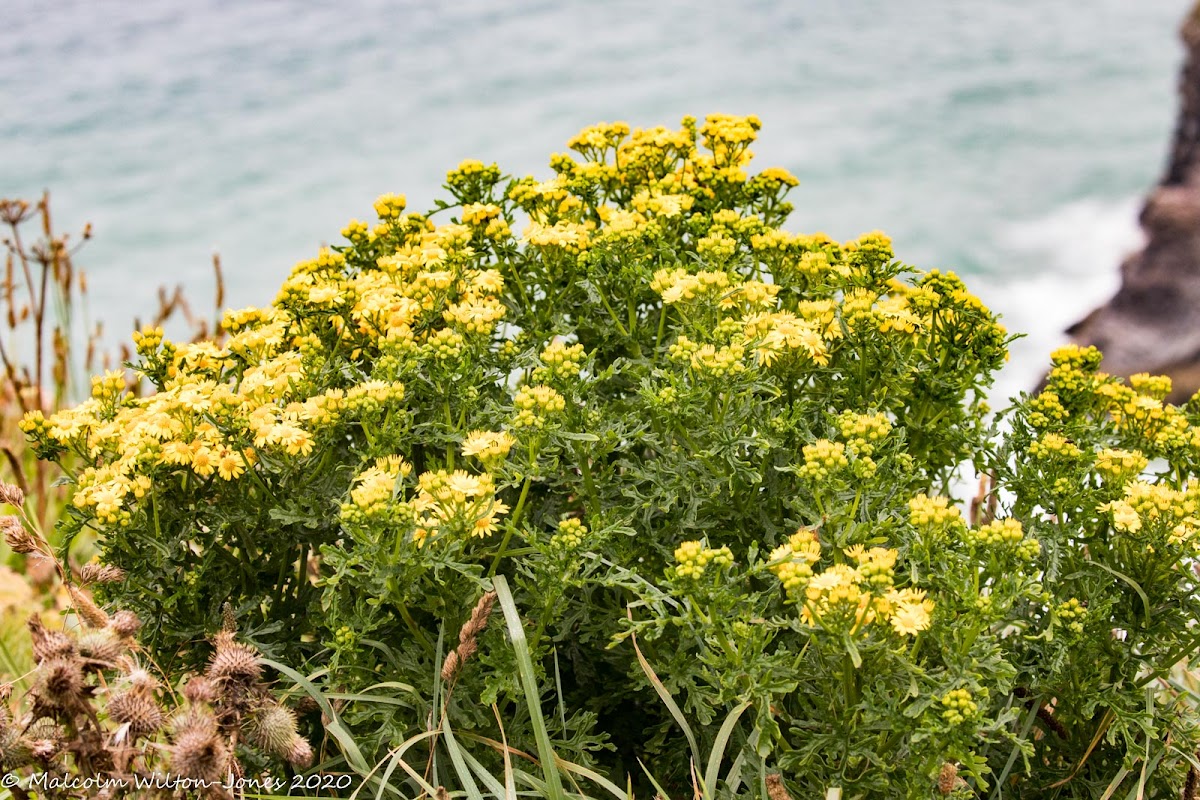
(415, 630)
(511, 528)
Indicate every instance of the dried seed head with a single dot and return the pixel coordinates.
(1189, 785)
(125, 624)
(948, 778)
(5, 692)
(273, 729)
(47, 644)
(16, 751)
(11, 494)
(234, 662)
(60, 683)
(199, 690)
(228, 620)
(468, 636)
(101, 646)
(301, 754)
(775, 788)
(196, 719)
(200, 754)
(86, 608)
(14, 212)
(137, 708)
(101, 573)
(16, 537)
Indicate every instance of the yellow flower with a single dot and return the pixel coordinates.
(230, 465)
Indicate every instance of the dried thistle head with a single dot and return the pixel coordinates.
(948, 779)
(199, 689)
(60, 684)
(301, 754)
(102, 648)
(49, 645)
(233, 662)
(137, 708)
(125, 624)
(101, 573)
(46, 737)
(199, 752)
(86, 608)
(273, 729)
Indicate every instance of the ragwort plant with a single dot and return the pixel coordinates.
(712, 458)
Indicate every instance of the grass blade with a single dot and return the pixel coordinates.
(676, 712)
(516, 635)
(718, 750)
(460, 763)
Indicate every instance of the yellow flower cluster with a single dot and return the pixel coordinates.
(455, 502)
(934, 515)
(570, 534)
(959, 706)
(782, 333)
(862, 432)
(560, 360)
(822, 459)
(1072, 614)
(535, 404)
(1053, 446)
(691, 559)
(847, 597)
(490, 447)
(1120, 465)
(376, 487)
(1158, 506)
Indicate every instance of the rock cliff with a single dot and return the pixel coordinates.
(1152, 323)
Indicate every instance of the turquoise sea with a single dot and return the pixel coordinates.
(1010, 141)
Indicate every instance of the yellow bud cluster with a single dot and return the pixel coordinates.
(560, 360)
(691, 559)
(1054, 446)
(570, 534)
(863, 431)
(934, 514)
(1046, 411)
(534, 404)
(390, 206)
(148, 339)
(1072, 613)
(822, 459)
(959, 706)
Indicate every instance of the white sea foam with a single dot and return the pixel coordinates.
(1065, 264)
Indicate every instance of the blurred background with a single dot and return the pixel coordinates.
(1011, 142)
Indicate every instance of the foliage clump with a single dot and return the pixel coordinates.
(713, 458)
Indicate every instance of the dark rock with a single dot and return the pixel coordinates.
(1152, 323)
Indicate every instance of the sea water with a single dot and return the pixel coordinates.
(1009, 141)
